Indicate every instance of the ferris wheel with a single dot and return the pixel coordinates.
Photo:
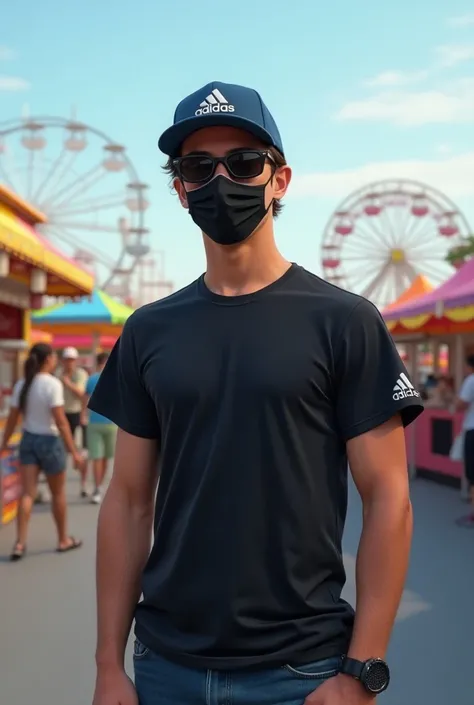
(384, 235)
(87, 186)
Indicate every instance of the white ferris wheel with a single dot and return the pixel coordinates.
(90, 191)
(384, 235)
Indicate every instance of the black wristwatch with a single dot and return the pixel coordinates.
(373, 674)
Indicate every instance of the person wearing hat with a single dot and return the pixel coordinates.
(74, 379)
(247, 393)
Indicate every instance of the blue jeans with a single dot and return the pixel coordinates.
(162, 682)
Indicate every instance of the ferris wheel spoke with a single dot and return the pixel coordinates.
(368, 239)
(391, 228)
(422, 231)
(86, 208)
(78, 186)
(378, 235)
(88, 227)
(367, 275)
(433, 272)
(59, 177)
(362, 239)
(5, 177)
(30, 173)
(434, 253)
(354, 258)
(49, 175)
(369, 290)
(412, 232)
(116, 198)
(75, 242)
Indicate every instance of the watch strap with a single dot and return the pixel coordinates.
(352, 667)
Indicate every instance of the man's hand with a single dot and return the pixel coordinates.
(340, 690)
(114, 688)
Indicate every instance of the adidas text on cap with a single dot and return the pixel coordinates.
(220, 104)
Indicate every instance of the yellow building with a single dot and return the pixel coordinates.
(30, 268)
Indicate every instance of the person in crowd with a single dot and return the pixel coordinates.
(101, 434)
(465, 403)
(442, 395)
(38, 398)
(74, 379)
(249, 392)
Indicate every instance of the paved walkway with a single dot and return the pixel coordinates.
(47, 613)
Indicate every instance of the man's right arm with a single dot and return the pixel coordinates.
(126, 516)
(123, 544)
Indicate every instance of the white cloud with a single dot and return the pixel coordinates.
(13, 83)
(396, 78)
(453, 105)
(452, 175)
(443, 149)
(6, 54)
(461, 20)
(451, 55)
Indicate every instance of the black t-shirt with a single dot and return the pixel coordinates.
(252, 399)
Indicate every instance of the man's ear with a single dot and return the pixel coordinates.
(281, 182)
(181, 191)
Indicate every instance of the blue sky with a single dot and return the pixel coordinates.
(382, 91)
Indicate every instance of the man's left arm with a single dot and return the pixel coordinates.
(375, 399)
(377, 461)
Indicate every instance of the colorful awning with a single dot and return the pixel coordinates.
(98, 314)
(457, 292)
(419, 287)
(21, 241)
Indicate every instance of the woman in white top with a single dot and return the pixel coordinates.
(39, 398)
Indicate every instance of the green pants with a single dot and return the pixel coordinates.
(101, 440)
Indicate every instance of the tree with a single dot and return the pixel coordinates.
(458, 255)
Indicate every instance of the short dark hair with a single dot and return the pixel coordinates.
(102, 358)
(470, 361)
(278, 158)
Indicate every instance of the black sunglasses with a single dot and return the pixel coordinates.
(245, 164)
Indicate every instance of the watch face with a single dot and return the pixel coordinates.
(376, 676)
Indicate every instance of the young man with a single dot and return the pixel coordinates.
(248, 392)
(74, 379)
(465, 403)
(101, 434)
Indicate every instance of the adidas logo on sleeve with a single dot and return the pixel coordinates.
(214, 103)
(404, 388)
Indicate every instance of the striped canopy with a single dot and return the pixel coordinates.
(100, 309)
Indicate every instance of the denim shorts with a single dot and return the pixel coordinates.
(158, 680)
(45, 451)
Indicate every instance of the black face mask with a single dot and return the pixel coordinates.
(228, 212)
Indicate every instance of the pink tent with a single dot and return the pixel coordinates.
(457, 291)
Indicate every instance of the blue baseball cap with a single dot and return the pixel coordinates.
(220, 104)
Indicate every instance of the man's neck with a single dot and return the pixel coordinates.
(235, 270)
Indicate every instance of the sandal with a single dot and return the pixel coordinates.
(75, 543)
(18, 552)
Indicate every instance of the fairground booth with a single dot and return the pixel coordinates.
(439, 323)
(30, 269)
(91, 324)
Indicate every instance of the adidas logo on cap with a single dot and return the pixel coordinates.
(214, 103)
(404, 388)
